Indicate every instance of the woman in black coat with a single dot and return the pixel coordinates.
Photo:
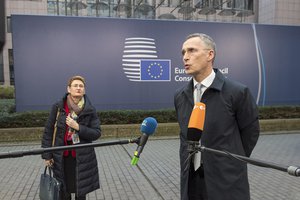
(76, 122)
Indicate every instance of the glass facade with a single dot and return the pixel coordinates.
(147, 9)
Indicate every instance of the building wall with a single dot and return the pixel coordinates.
(19, 7)
(281, 12)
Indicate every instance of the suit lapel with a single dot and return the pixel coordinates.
(188, 92)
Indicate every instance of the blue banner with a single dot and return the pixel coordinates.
(143, 60)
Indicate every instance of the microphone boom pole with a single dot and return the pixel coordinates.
(14, 154)
(291, 170)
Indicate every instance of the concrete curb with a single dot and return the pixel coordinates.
(168, 130)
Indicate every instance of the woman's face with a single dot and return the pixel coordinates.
(76, 89)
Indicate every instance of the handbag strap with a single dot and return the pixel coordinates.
(49, 170)
(55, 127)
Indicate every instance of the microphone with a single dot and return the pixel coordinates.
(147, 128)
(196, 123)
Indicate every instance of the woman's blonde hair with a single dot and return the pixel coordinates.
(76, 78)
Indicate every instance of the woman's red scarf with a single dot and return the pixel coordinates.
(66, 152)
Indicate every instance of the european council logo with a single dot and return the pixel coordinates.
(140, 61)
(155, 70)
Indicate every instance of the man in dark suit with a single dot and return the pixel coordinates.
(231, 124)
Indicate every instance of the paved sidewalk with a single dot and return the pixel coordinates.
(157, 175)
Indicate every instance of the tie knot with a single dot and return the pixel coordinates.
(198, 86)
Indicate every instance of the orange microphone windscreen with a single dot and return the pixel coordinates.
(197, 116)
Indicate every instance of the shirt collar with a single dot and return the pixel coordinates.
(207, 81)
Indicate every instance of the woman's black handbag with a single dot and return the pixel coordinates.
(50, 188)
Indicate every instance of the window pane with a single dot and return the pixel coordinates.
(52, 7)
(8, 23)
(11, 66)
(1, 69)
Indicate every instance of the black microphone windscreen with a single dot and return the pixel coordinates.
(194, 134)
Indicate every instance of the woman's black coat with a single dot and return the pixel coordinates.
(231, 124)
(89, 130)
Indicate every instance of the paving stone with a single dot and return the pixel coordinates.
(156, 177)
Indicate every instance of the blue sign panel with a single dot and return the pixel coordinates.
(137, 64)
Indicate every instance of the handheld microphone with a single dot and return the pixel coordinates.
(147, 128)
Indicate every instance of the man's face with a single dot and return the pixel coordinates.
(197, 58)
(76, 89)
